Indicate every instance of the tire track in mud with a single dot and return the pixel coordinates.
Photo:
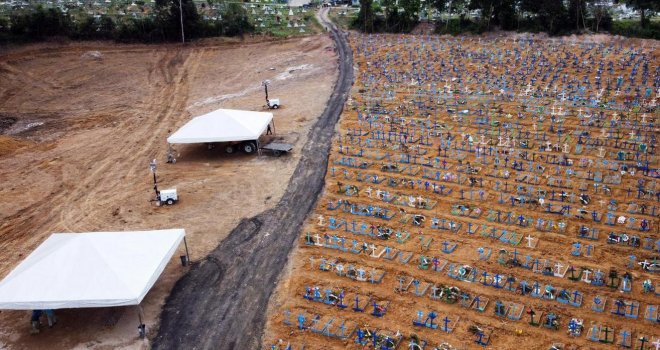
(170, 100)
(221, 302)
(59, 210)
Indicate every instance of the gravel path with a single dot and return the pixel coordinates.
(221, 302)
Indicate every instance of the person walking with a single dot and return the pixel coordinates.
(269, 131)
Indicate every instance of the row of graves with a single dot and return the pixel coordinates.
(484, 193)
(265, 15)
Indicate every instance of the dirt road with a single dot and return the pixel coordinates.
(221, 303)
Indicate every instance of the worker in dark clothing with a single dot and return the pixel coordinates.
(36, 314)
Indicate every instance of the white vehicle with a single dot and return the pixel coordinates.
(168, 196)
(274, 103)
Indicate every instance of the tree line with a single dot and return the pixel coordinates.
(556, 17)
(164, 25)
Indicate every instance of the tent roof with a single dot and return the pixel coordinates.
(223, 125)
(94, 269)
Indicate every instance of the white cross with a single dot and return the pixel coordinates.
(411, 201)
(601, 152)
(320, 220)
(499, 138)
(373, 250)
(483, 142)
(548, 145)
(368, 191)
(318, 239)
(553, 110)
(530, 239)
(561, 111)
(657, 344)
(565, 147)
(644, 264)
(580, 112)
(600, 93)
(586, 276)
(558, 266)
(644, 118)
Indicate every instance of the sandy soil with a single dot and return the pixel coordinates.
(406, 54)
(78, 133)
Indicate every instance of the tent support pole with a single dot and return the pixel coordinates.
(141, 326)
(139, 313)
(185, 244)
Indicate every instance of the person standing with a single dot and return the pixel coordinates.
(34, 320)
(50, 315)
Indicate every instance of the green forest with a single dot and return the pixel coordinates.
(167, 17)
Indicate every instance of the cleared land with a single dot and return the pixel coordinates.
(78, 130)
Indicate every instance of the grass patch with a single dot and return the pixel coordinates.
(632, 28)
(343, 17)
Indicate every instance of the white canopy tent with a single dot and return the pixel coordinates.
(223, 125)
(94, 269)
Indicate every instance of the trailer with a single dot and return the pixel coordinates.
(168, 196)
(277, 149)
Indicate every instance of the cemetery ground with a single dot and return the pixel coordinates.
(79, 124)
(468, 184)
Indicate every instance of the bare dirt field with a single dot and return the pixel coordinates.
(79, 124)
(450, 153)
